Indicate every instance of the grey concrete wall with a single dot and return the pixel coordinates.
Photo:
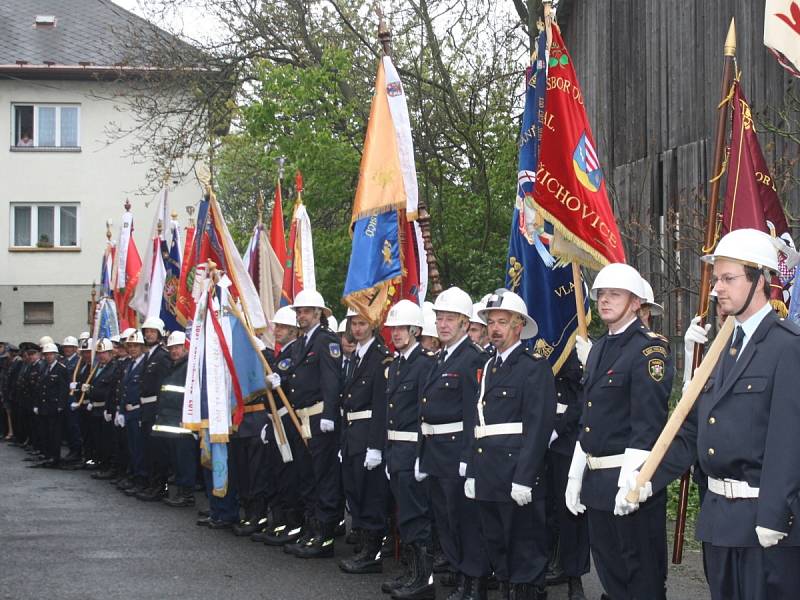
(70, 311)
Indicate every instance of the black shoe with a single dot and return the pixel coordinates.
(43, 464)
(202, 513)
(475, 588)
(407, 559)
(249, 528)
(139, 485)
(575, 590)
(305, 538)
(125, 483)
(420, 586)
(183, 498)
(283, 535)
(202, 521)
(555, 575)
(151, 494)
(104, 475)
(218, 524)
(321, 545)
(369, 560)
(353, 536)
(341, 529)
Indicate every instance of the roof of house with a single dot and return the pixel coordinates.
(86, 32)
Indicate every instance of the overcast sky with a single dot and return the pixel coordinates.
(190, 18)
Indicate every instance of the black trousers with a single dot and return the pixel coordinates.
(284, 478)
(753, 573)
(516, 540)
(630, 553)
(92, 446)
(367, 493)
(413, 508)
(458, 524)
(568, 532)
(183, 457)
(53, 424)
(156, 455)
(321, 493)
(251, 474)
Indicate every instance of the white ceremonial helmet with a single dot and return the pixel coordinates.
(506, 300)
(429, 321)
(618, 276)
(49, 347)
(176, 338)
(84, 336)
(153, 323)
(104, 345)
(126, 334)
(46, 339)
(70, 340)
(476, 317)
(405, 312)
(135, 338)
(650, 299)
(750, 247)
(285, 316)
(311, 299)
(333, 324)
(454, 300)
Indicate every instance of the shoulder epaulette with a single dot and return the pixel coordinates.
(789, 325)
(533, 354)
(476, 347)
(426, 352)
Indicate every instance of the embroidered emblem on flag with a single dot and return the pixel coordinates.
(587, 165)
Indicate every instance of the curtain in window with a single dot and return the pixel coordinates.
(45, 218)
(22, 225)
(69, 126)
(69, 226)
(47, 126)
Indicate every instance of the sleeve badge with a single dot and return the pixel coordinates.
(656, 369)
(335, 350)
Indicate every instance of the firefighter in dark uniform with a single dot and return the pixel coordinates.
(286, 510)
(97, 394)
(120, 458)
(129, 415)
(180, 443)
(31, 400)
(627, 382)
(743, 430)
(77, 421)
(363, 439)
(314, 392)
(569, 534)
(156, 365)
(18, 389)
(11, 376)
(53, 393)
(107, 429)
(407, 375)
(513, 414)
(72, 428)
(446, 413)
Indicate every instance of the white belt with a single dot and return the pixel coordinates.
(173, 388)
(402, 436)
(305, 415)
(148, 400)
(561, 408)
(98, 404)
(359, 415)
(482, 431)
(282, 412)
(731, 488)
(428, 429)
(605, 462)
(170, 429)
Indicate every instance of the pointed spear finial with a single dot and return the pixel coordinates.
(127, 205)
(730, 40)
(281, 164)
(260, 206)
(384, 33)
(190, 212)
(109, 223)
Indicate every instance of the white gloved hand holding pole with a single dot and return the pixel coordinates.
(469, 488)
(521, 494)
(582, 348)
(373, 459)
(572, 496)
(419, 475)
(326, 425)
(274, 381)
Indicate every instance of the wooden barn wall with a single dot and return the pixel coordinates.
(651, 75)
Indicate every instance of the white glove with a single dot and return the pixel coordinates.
(89, 406)
(695, 334)
(339, 455)
(469, 488)
(326, 425)
(107, 416)
(419, 475)
(792, 259)
(85, 387)
(73, 386)
(373, 459)
(768, 537)
(35, 410)
(553, 438)
(622, 506)
(264, 439)
(572, 496)
(274, 381)
(462, 469)
(74, 406)
(521, 494)
(582, 348)
(120, 420)
(386, 469)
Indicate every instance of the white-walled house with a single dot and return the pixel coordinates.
(61, 179)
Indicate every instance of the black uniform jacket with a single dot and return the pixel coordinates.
(366, 390)
(316, 375)
(626, 387)
(449, 396)
(403, 389)
(170, 396)
(53, 389)
(521, 390)
(568, 394)
(101, 394)
(156, 366)
(747, 428)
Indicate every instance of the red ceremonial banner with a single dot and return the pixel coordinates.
(570, 190)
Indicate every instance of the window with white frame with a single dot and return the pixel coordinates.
(46, 126)
(44, 225)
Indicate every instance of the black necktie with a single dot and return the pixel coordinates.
(498, 362)
(301, 347)
(442, 357)
(729, 360)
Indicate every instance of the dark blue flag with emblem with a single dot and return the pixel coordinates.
(531, 271)
(171, 255)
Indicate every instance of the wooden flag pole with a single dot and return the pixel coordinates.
(577, 281)
(710, 240)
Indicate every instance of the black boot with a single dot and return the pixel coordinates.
(153, 492)
(139, 485)
(310, 530)
(407, 559)
(183, 497)
(421, 586)
(255, 519)
(475, 588)
(286, 532)
(276, 519)
(461, 588)
(575, 591)
(370, 559)
(321, 545)
(554, 575)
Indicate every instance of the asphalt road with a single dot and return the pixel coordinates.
(65, 536)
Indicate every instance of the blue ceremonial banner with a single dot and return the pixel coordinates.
(531, 271)
(108, 322)
(374, 260)
(172, 269)
(247, 364)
